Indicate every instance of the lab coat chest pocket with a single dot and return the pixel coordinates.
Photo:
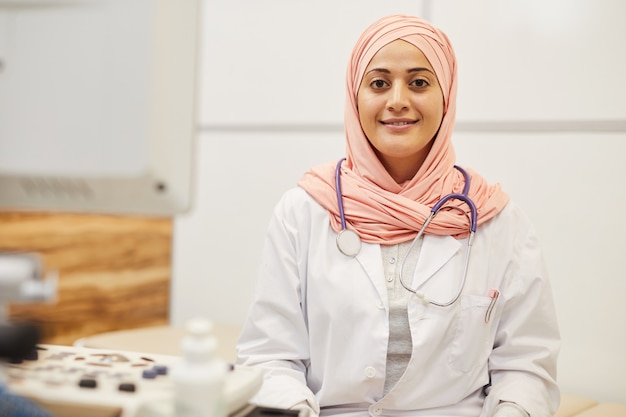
(473, 338)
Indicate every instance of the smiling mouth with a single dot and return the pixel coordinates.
(402, 123)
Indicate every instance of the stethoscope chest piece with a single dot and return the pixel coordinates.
(348, 242)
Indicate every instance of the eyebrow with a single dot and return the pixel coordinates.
(409, 71)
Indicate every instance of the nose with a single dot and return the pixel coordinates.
(398, 98)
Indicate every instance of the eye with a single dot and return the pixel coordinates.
(420, 83)
(378, 84)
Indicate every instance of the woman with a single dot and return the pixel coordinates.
(393, 323)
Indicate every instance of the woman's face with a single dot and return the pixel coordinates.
(400, 106)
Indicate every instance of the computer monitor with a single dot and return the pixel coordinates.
(98, 105)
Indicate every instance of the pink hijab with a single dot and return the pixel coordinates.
(378, 208)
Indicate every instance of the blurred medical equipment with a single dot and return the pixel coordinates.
(71, 381)
(21, 280)
(349, 242)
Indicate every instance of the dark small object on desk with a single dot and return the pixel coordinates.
(259, 411)
(18, 341)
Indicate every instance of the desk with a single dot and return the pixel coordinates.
(162, 340)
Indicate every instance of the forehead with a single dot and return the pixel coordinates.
(398, 54)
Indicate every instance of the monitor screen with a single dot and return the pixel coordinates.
(98, 105)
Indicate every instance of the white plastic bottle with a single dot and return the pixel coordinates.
(199, 377)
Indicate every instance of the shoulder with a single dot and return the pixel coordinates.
(514, 212)
(298, 216)
(297, 203)
(296, 197)
(512, 226)
(513, 237)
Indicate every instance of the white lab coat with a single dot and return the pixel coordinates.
(319, 322)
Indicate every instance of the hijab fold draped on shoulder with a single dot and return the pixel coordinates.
(379, 209)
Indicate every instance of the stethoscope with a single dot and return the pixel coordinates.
(349, 242)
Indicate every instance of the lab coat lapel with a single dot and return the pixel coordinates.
(370, 258)
(435, 252)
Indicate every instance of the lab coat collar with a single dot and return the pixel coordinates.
(435, 252)
(370, 257)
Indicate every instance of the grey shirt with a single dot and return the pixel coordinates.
(399, 344)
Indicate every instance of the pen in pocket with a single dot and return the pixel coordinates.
(493, 294)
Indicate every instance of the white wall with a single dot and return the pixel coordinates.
(542, 109)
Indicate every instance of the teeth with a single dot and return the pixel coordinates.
(399, 123)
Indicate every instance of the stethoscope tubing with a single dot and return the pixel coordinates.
(473, 220)
(416, 291)
(342, 213)
(348, 241)
(463, 197)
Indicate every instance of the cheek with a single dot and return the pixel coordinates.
(367, 114)
(438, 114)
(442, 108)
(367, 125)
(434, 108)
(441, 114)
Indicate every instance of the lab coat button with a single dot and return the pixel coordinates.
(377, 411)
(370, 372)
(380, 305)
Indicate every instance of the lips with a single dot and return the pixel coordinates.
(398, 123)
